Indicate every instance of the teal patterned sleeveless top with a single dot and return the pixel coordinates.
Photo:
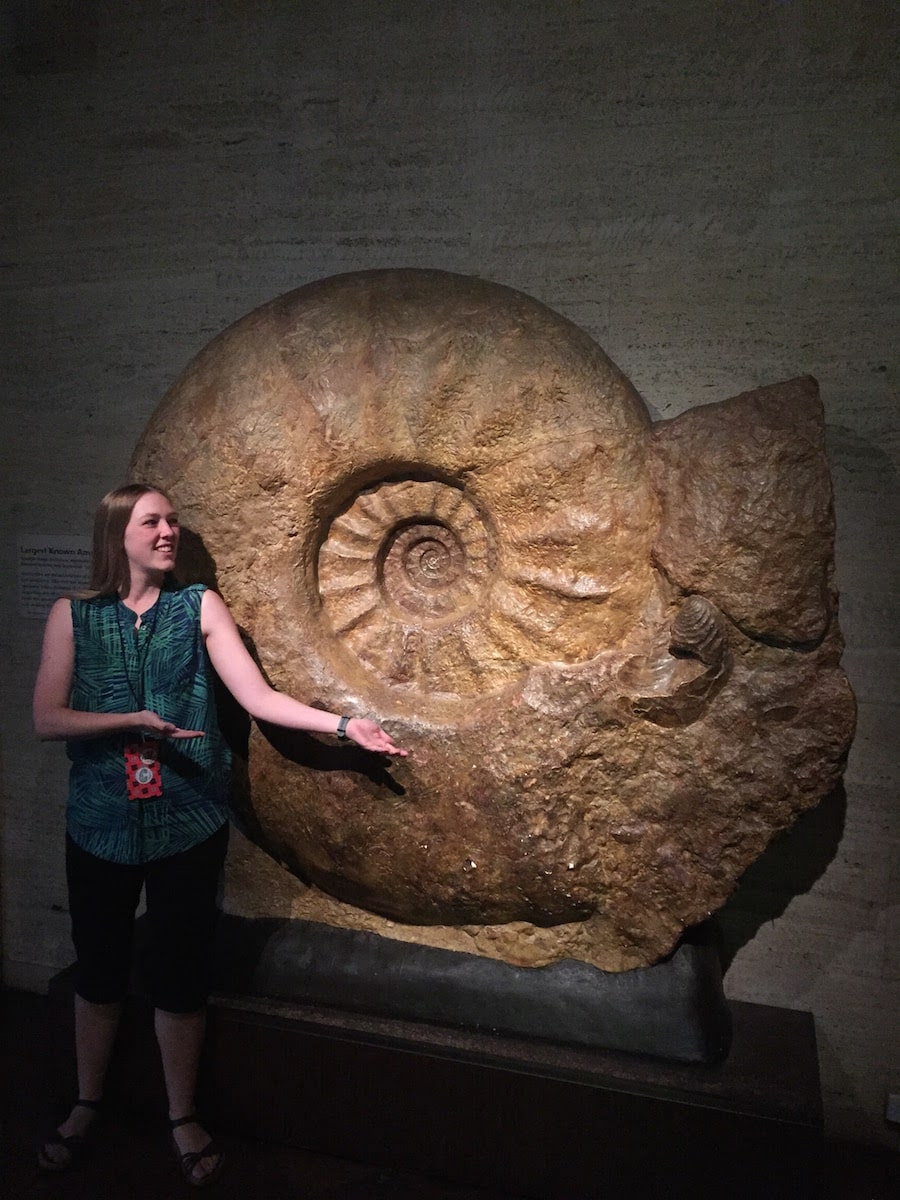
(163, 667)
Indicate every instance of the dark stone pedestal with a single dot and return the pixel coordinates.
(519, 1115)
(675, 1010)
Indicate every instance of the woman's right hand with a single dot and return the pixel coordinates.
(154, 726)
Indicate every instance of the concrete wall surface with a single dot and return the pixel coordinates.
(707, 187)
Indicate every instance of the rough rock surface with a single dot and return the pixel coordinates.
(611, 648)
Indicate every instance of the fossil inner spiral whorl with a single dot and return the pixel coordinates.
(424, 571)
(402, 574)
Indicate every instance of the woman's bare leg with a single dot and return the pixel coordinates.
(96, 1026)
(180, 1038)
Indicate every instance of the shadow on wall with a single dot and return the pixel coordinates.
(789, 867)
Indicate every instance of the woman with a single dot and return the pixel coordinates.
(125, 680)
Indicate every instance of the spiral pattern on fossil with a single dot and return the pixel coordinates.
(408, 564)
(697, 631)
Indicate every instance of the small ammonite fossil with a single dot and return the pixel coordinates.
(674, 684)
(611, 646)
(698, 632)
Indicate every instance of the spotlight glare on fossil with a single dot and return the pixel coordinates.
(611, 646)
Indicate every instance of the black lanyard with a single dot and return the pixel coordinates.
(137, 692)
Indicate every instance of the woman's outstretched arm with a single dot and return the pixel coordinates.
(243, 678)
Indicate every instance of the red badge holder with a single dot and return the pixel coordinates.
(143, 777)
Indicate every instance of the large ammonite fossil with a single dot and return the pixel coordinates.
(610, 646)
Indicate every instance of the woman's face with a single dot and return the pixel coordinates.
(151, 535)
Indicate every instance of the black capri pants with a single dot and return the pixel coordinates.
(176, 946)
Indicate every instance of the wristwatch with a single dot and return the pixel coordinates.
(342, 728)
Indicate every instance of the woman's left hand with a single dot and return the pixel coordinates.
(371, 736)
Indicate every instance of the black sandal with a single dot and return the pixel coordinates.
(72, 1146)
(188, 1161)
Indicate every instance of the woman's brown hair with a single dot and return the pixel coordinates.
(109, 564)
